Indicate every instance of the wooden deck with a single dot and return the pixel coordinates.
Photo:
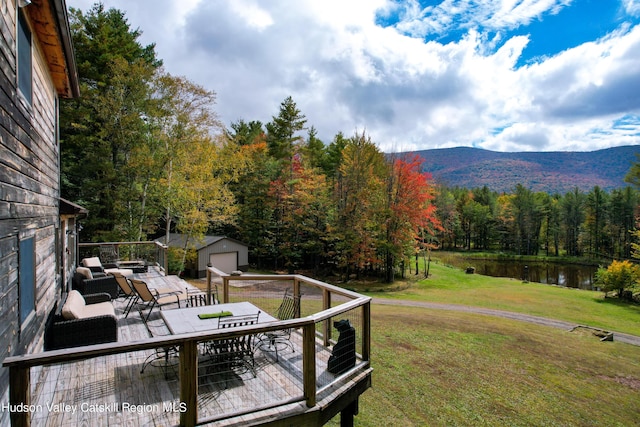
(112, 390)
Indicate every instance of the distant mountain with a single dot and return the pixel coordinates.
(550, 172)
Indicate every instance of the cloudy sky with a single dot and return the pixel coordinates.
(504, 75)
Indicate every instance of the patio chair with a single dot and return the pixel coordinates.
(278, 340)
(229, 353)
(162, 357)
(126, 290)
(151, 298)
(87, 282)
(196, 298)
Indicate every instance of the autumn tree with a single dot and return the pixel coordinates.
(301, 204)
(409, 211)
(193, 189)
(359, 199)
(620, 276)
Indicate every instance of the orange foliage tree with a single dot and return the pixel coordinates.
(410, 211)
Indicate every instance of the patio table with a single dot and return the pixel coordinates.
(186, 320)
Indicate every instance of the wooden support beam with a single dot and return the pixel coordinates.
(189, 383)
(20, 394)
(309, 364)
(348, 413)
(225, 290)
(366, 331)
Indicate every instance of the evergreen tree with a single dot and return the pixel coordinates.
(99, 129)
(281, 131)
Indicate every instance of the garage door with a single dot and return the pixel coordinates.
(226, 262)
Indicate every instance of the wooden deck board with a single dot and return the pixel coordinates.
(115, 381)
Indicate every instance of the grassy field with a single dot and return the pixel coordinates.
(444, 368)
(452, 286)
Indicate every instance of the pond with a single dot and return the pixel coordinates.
(567, 275)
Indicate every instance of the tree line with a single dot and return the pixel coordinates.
(145, 152)
(595, 224)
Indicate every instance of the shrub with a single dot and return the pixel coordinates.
(619, 276)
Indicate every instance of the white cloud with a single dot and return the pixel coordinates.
(632, 7)
(346, 73)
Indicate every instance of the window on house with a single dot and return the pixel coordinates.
(24, 58)
(26, 278)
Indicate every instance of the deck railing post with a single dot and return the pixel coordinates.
(20, 393)
(209, 298)
(366, 331)
(189, 383)
(296, 294)
(326, 324)
(225, 289)
(309, 363)
(165, 259)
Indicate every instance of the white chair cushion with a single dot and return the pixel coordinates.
(126, 272)
(92, 262)
(98, 309)
(85, 271)
(76, 308)
(73, 307)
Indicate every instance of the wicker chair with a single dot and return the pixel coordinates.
(87, 282)
(62, 331)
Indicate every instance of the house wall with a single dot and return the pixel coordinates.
(68, 250)
(29, 194)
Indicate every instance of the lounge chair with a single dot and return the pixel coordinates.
(152, 298)
(126, 290)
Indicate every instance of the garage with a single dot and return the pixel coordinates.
(224, 253)
(226, 262)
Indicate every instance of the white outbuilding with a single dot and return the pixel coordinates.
(224, 253)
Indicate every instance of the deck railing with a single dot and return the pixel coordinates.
(153, 253)
(322, 304)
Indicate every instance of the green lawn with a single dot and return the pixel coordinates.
(435, 368)
(447, 368)
(452, 286)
